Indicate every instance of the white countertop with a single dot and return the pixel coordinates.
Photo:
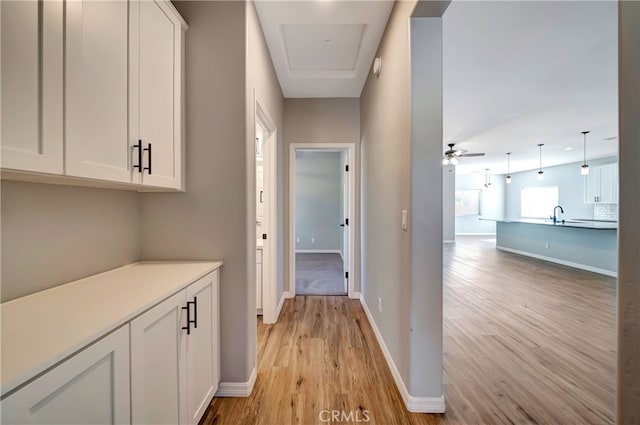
(41, 329)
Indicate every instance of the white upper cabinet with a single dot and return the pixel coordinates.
(122, 103)
(32, 69)
(97, 48)
(601, 185)
(156, 66)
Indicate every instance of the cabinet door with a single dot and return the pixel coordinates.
(202, 346)
(97, 139)
(32, 81)
(592, 186)
(606, 184)
(156, 94)
(158, 364)
(92, 387)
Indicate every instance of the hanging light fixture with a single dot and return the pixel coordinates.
(584, 169)
(508, 179)
(450, 161)
(540, 172)
(487, 178)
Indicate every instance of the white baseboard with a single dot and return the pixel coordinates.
(237, 389)
(448, 241)
(355, 296)
(289, 294)
(476, 234)
(413, 404)
(318, 251)
(559, 261)
(280, 304)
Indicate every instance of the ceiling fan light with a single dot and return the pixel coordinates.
(445, 161)
(454, 161)
(584, 170)
(540, 175)
(508, 180)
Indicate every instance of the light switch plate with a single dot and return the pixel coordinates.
(405, 219)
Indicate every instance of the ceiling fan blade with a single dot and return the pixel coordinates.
(472, 154)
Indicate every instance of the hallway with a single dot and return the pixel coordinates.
(525, 342)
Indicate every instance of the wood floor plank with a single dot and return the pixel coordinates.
(525, 342)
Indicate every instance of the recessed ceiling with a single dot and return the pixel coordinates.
(517, 74)
(323, 48)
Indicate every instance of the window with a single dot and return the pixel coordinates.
(467, 202)
(538, 202)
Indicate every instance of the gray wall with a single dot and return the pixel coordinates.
(570, 188)
(628, 370)
(329, 121)
(215, 218)
(401, 137)
(318, 200)
(385, 143)
(55, 234)
(492, 203)
(448, 203)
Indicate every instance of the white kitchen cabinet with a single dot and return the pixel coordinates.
(158, 364)
(601, 185)
(122, 103)
(175, 356)
(91, 387)
(203, 368)
(32, 86)
(97, 74)
(156, 90)
(259, 280)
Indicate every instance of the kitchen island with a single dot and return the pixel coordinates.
(585, 244)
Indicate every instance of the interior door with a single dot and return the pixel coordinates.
(345, 214)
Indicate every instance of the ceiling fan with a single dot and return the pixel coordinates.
(451, 155)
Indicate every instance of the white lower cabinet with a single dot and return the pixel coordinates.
(175, 356)
(91, 387)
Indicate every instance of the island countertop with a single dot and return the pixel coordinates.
(581, 224)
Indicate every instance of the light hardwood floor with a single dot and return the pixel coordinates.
(525, 341)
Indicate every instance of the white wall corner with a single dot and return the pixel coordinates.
(280, 304)
(413, 404)
(237, 389)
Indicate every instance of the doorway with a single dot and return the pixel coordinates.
(321, 199)
(266, 215)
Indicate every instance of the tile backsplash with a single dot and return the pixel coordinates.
(605, 212)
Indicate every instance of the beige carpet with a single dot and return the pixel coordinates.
(319, 274)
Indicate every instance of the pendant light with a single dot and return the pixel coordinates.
(487, 178)
(508, 179)
(584, 169)
(540, 172)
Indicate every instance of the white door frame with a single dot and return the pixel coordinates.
(325, 147)
(270, 225)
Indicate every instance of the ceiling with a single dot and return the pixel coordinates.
(323, 48)
(521, 73)
(515, 73)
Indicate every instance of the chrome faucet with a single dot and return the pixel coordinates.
(555, 218)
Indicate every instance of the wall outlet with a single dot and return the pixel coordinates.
(547, 245)
(313, 240)
(405, 219)
(380, 304)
